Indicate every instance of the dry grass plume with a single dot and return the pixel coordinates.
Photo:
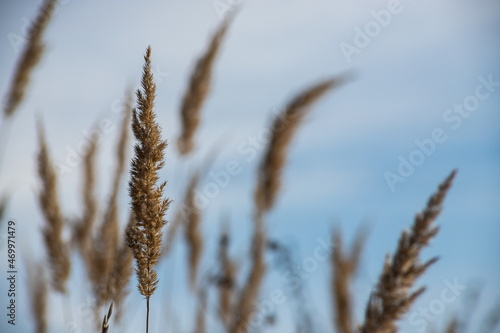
(197, 91)
(57, 251)
(193, 236)
(29, 58)
(283, 128)
(392, 296)
(267, 188)
(148, 205)
(83, 229)
(107, 246)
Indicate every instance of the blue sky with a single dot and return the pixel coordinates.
(427, 58)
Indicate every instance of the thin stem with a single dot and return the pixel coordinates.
(147, 314)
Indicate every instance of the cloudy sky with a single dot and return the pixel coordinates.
(425, 100)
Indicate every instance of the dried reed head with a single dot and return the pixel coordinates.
(392, 296)
(103, 256)
(148, 205)
(194, 239)
(344, 269)
(30, 56)
(197, 91)
(268, 182)
(283, 128)
(83, 230)
(58, 252)
(83, 234)
(106, 244)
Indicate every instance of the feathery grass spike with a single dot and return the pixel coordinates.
(57, 250)
(30, 57)
(197, 91)
(106, 242)
(392, 296)
(82, 233)
(283, 128)
(148, 205)
(268, 181)
(116, 256)
(192, 234)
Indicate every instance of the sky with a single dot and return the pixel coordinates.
(424, 100)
